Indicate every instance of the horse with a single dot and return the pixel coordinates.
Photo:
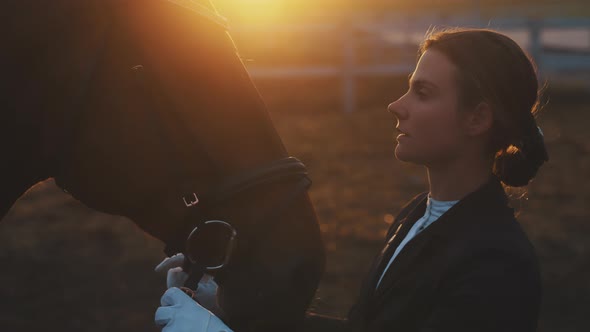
(144, 109)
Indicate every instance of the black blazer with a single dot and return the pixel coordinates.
(472, 270)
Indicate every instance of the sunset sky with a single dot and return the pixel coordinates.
(277, 10)
(251, 11)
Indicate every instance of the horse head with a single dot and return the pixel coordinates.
(144, 109)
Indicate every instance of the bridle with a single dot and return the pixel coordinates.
(288, 170)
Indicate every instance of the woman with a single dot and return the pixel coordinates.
(455, 258)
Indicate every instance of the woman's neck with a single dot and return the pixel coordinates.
(455, 180)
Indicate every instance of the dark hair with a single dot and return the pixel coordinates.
(493, 68)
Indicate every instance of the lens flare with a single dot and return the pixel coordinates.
(252, 10)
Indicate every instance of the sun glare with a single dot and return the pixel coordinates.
(252, 10)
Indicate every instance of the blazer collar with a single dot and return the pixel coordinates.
(489, 199)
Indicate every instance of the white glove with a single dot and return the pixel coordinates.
(180, 313)
(175, 277)
(206, 293)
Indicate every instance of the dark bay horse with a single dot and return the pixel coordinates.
(143, 108)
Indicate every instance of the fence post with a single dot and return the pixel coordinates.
(348, 66)
(536, 50)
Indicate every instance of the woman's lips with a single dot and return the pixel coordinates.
(401, 133)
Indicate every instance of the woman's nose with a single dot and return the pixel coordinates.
(390, 108)
(396, 108)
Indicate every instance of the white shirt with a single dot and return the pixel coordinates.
(434, 209)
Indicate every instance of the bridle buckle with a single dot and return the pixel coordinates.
(192, 202)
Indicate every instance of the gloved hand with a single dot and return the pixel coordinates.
(179, 313)
(175, 277)
(206, 292)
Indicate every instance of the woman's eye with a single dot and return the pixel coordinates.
(421, 94)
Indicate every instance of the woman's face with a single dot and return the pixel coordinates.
(427, 115)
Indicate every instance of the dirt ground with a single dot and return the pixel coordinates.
(68, 268)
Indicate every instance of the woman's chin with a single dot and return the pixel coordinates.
(401, 154)
(405, 154)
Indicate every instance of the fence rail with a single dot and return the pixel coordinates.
(406, 32)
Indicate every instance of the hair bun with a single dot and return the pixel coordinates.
(515, 165)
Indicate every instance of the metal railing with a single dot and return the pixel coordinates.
(379, 36)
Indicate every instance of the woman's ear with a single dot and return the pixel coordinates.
(479, 120)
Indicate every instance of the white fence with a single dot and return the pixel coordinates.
(559, 46)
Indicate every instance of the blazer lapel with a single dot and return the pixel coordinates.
(488, 200)
(408, 255)
(402, 230)
(399, 229)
